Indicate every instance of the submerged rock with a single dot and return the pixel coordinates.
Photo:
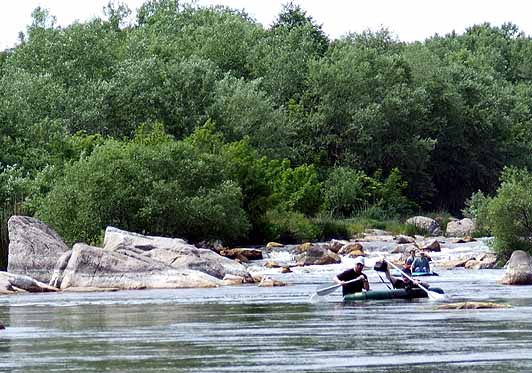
(471, 305)
(518, 269)
(402, 239)
(268, 282)
(483, 261)
(34, 248)
(242, 254)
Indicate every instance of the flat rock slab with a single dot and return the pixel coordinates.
(472, 306)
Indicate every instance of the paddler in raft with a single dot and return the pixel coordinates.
(410, 259)
(402, 282)
(360, 284)
(421, 263)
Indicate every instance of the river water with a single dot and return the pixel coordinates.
(279, 329)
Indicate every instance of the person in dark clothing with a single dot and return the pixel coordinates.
(403, 282)
(361, 283)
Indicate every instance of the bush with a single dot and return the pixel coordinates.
(412, 230)
(347, 191)
(290, 227)
(329, 228)
(476, 208)
(293, 189)
(509, 213)
(390, 194)
(169, 189)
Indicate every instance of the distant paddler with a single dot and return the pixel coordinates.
(421, 263)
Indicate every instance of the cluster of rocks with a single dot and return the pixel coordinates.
(39, 260)
(519, 267)
(455, 227)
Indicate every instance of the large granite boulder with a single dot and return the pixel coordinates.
(91, 266)
(174, 252)
(432, 245)
(59, 269)
(518, 269)
(34, 248)
(425, 223)
(318, 255)
(352, 249)
(460, 228)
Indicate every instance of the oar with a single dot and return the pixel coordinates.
(332, 288)
(431, 294)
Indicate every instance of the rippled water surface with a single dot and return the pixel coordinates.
(252, 329)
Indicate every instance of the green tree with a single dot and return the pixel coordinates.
(367, 113)
(510, 212)
(241, 110)
(168, 188)
(176, 95)
(347, 191)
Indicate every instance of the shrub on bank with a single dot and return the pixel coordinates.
(169, 189)
(509, 212)
(290, 227)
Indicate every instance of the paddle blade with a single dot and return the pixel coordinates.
(328, 290)
(434, 296)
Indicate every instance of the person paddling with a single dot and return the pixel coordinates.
(410, 259)
(361, 282)
(421, 263)
(403, 282)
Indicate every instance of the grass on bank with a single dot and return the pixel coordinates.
(295, 228)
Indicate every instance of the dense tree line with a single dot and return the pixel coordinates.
(200, 122)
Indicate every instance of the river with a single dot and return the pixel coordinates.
(278, 329)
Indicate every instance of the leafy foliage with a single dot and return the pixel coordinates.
(298, 126)
(510, 212)
(171, 189)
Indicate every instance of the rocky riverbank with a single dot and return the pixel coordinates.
(39, 260)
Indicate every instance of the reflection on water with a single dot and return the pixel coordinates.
(253, 329)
